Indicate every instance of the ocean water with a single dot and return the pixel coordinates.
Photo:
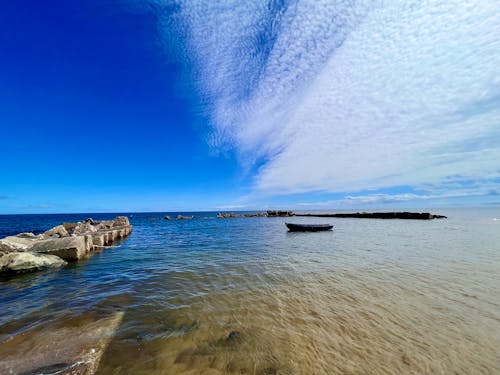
(244, 296)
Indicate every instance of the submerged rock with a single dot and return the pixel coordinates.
(75, 348)
(233, 335)
(77, 368)
(19, 262)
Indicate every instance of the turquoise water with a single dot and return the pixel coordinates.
(378, 296)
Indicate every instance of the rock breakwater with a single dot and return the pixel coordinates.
(27, 252)
(381, 215)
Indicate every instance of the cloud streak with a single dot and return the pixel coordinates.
(350, 95)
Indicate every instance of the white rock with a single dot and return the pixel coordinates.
(17, 262)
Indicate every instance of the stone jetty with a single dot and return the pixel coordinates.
(27, 252)
(381, 215)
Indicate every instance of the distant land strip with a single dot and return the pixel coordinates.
(381, 215)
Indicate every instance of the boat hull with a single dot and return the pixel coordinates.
(308, 227)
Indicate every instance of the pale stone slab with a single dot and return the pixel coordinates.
(18, 262)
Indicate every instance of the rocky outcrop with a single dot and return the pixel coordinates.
(20, 262)
(67, 242)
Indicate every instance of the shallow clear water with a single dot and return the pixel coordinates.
(372, 296)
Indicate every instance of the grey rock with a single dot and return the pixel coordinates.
(15, 243)
(19, 262)
(67, 248)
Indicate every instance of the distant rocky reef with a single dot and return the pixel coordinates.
(64, 243)
(268, 213)
(360, 215)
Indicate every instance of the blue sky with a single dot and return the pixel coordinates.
(190, 105)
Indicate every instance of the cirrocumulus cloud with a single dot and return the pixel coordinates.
(344, 95)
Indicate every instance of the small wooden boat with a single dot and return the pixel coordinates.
(308, 227)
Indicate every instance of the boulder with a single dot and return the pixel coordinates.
(167, 218)
(182, 217)
(58, 232)
(90, 221)
(18, 262)
(16, 243)
(105, 224)
(121, 221)
(67, 248)
(83, 228)
(70, 227)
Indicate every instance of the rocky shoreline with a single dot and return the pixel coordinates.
(27, 252)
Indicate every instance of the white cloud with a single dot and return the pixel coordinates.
(351, 95)
(479, 192)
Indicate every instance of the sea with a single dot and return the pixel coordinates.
(245, 296)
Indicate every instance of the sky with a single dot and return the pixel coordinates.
(163, 105)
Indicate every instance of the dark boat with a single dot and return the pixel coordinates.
(308, 227)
